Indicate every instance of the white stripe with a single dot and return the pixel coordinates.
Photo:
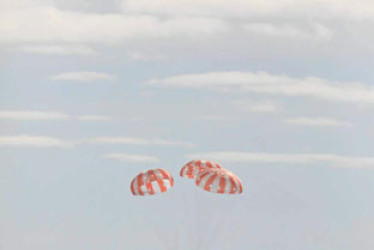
(215, 184)
(184, 171)
(143, 187)
(236, 184)
(238, 181)
(167, 183)
(156, 187)
(155, 184)
(158, 175)
(135, 185)
(195, 171)
(205, 179)
(228, 185)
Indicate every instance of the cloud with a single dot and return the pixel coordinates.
(330, 160)
(341, 9)
(256, 107)
(219, 118)
(58, 50)
(165, 29)
(137, 141)
(94, 118)
(275, 85)
(50, 25)
(145, 56)
(317, 122)
(33, 115)
(83, 76)
(132, 158)
(33, 141)
(290, 30)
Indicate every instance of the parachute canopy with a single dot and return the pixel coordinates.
(151, 182)
(219, 181)
(193, 168)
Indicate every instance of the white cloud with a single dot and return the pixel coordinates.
(32, 141)
(132, 158)
(256, 107)
(94, 118)
(59, 50)
(83, 76)
(328, 9)
(32, 115)
(218, 118)
(137, 141)
(47, 24)
(162, 29)
(276, 85)
(329, 160)
(314, 31)
(146, 56)
(317, 122)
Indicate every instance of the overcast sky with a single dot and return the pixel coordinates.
(279, 92)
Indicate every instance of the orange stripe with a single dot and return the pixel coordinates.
(240, 186)
(192, 166)
(166, 176)
(222, 185)
(151, 176)
(149, 187)
(201, 176)
(198, 163)
(171, 181)
(182, 170)
(140, 183)
(161, 185)
(185, 169)
(189, 171)
(233, 186)
(209, 182)
(132, 187)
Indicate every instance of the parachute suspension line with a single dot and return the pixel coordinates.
(186, 212)
(211, 177)
(190, 215)
(194, 228)
(156, 232)
(151, 182)
(218, 225)
(214, 223)
(200, 231)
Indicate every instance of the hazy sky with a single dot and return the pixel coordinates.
(94, 92)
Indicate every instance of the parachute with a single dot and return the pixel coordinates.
(207, 175)
(151, 182)
(219, 181)
(193, 168)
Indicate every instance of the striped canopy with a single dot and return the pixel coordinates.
(219, 181)
(193, 168)
(152, 182)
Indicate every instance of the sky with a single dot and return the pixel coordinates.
(278, 92)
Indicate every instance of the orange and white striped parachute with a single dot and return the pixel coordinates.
(151, 182)
(219, 181)
(193, 168)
